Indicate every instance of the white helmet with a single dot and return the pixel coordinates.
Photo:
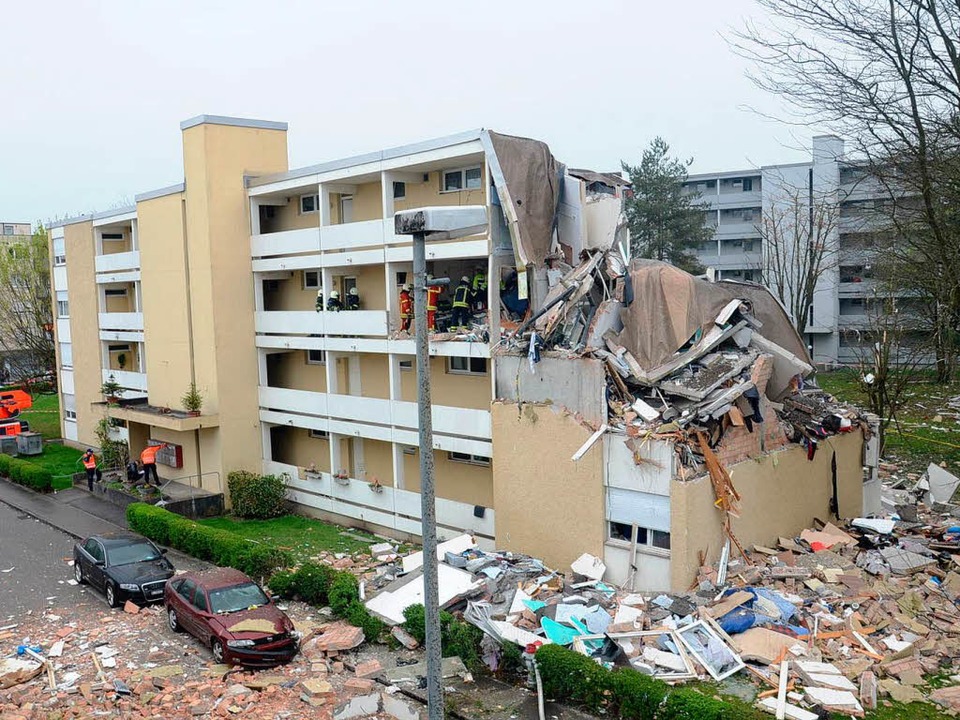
(353, 291)
(320, 293)
(335, 295)
(465, 279)
(406, 286)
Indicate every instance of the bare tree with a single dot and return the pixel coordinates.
(26, 317)
(885, 74)
(799, 247)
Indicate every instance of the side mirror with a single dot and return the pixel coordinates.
(100, 563)
(163, 551)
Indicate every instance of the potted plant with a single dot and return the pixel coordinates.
(111, 390)
(192, 400)
(122, 360)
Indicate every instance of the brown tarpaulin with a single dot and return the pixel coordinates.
(532, 178)
(669, 305)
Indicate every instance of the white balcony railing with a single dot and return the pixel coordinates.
(286, 242)
(390, 508)
(118, 261)
(127, 379)
(121, 321)
(305, 322)
(367, 233)
(398, 413)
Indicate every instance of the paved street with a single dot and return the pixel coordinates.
(34, 553)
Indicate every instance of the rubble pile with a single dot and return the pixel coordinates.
(836, 619)
(685, 356)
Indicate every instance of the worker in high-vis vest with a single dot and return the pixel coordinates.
(353, 299)
(478, 294)
(433, 297)
(334, 304)
(461, 305)
(319, 304)
(89, 461)
(149, 459)
(406, 308)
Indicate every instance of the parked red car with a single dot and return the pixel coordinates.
(230, 614)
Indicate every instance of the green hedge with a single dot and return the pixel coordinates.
(322, 585)
(255, 496)
(26, 473)
(457, 638)
(568, 675)
(217, 546)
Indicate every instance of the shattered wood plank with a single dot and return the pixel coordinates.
(782, 690)
(691, 392)
(708, 342)
(589, 443)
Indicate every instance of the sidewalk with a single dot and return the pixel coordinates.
(78, 513)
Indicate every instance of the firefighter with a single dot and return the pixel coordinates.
(334, 304)
(89, 461)
(353, 299)
(406, 308)
(461, 305)
(433, 296)
(479, 290)
(149, 459)
(319, 303)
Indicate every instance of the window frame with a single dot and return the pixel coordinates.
(64, 311)
(646, 539)
(406, 365)
(316, 203)
(315, 362)
(303, 280)
(112, 237)
(468, 371)
(315, 434)
(468, 459)
(115, 292)
(69, 414)
(402, 187)
(462, 172)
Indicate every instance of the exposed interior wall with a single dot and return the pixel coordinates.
(165, 297)
(546, 504)
(782, 493)
(575, 384)
(216, 158)
(463, 482)
(448, 388)
(84, 328)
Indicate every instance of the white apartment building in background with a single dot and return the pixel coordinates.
(738, 201)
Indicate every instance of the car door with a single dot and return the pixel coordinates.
(95, 560)
(186, 612)
(202, 615)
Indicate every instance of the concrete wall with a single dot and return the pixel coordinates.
(782, 493)
(546, 504)
(575, 384)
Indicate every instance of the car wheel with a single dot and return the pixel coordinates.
(111, 594)
(172, 620)
(217, 648)
(78, 572)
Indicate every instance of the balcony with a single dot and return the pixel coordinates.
(398, 413)
(116, 262)
(739, 228)
(305, 322)
(121, 321)
(127, 379)
(286, 242)
(390, 508)
(349, 236)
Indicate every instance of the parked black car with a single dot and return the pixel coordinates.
(123, 567)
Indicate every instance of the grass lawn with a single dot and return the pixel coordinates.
(927, 430)
(59, 460)
(44, 416)
(302, 536)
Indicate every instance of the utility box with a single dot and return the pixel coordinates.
(8, 445)
(30, 443)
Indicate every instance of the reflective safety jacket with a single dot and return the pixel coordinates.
(149, 454)
(433, 295)
(89, 461)
(479, 282)
(460, 296)
(406, 304)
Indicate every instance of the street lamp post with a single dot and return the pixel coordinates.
(432, 223)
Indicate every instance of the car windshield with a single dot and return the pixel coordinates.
(133, 553)
(236, 598)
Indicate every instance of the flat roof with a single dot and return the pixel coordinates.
(355, 160)
(160, 192)
(232, 122)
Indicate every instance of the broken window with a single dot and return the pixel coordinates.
(620, 531)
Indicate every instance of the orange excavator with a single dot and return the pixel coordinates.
(12, 403)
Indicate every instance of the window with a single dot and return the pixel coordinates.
(200, 600)
(401, 279)
(463, 179)
(63, 308)
(399, 190)
(8, 229)
(319, 434)
(346, 209)
(95, 550)
(347, 284)
(620, 531)
(70, 414)
(646, 537)
(468, 458)
(187, 590)
(113, 236)
(747, 184)
(59, 252)
(660, 539)
(409, 449)
(66, 354)
(118, 348)
(316, 357)
(406, 364)
(311, 279)
(309, 204)
(467, 366)
(121, 292)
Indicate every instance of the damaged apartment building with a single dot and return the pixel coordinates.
(585, 404)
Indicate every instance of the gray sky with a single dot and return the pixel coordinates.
(94, 91)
